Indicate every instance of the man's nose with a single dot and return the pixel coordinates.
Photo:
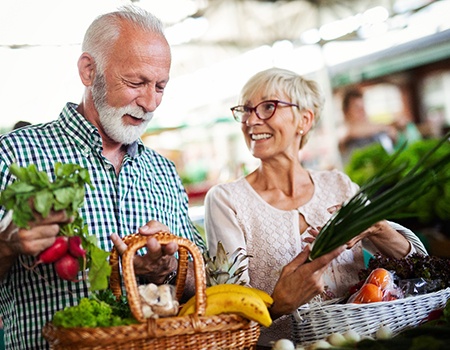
(149, 100)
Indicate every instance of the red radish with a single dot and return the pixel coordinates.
(53, 253)
(67, 268)
(75, 247)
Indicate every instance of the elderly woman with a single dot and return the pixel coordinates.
(274, 211)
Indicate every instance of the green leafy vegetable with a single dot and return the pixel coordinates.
(375, 201)
(430, 268)
(33, 192)
(434, 205)
(95, 312)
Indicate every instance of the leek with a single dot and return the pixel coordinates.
(375, 201)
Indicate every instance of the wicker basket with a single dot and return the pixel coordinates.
(312, 324)
(197, 331)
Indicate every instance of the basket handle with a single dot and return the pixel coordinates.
(137, 241)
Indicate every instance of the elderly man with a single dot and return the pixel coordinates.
(125, 68)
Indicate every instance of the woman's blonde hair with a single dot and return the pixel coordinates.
(307, 94)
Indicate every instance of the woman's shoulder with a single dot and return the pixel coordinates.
(333, 175)
(228, 188)
(335, 181)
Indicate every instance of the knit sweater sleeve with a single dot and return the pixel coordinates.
(222, 224)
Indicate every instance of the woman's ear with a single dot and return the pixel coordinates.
(307, 120)
(86, 69)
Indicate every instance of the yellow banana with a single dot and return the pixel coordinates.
(244, 304)
(266, 297)
(227, 288)
(248, 305)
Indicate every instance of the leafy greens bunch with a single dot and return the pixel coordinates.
(33, 193)
(99, 310)
(375, 201)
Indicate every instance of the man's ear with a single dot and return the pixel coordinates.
(86, 69)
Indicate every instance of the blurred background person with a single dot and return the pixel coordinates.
(20, 124)
(407, 131)
(359, 131)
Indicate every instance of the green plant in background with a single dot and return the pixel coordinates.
(431, 207)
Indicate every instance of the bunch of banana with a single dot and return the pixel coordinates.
(247, 302)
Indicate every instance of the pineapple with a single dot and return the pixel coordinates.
(222, 269)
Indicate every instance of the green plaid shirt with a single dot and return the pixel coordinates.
(147, 188)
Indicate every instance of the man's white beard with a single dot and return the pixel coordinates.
(111, 117)
(111, 121)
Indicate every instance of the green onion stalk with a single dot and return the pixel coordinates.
(376, 200)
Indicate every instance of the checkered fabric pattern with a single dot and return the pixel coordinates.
(147, 188)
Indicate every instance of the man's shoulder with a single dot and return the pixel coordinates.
(152, 155)
(30, 132)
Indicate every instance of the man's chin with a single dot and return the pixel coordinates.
(127, 135)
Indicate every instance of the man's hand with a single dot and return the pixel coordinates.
(159, 261)
(41, 235)
(15, 241)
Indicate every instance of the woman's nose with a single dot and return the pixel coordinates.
(253, 119)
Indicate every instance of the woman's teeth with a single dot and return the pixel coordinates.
(256, 137)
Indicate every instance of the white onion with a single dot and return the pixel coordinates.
(352, 336)
(320, 344)
(384, 332)
(336, 339)
(283, 344)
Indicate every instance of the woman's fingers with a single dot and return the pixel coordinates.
(334, 208)
(320, 263)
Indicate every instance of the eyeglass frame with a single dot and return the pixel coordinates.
(253, 109)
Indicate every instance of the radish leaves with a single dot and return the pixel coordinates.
(33, 192)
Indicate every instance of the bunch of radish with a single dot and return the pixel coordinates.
(65, 254)
(34, 195)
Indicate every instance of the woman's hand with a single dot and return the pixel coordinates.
(159, 261)
(385, 239)
(373, 230)
(300, 281)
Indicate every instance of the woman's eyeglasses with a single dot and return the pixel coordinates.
(263, 110)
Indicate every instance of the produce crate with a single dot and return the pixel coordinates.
(321, 320)
(196, 331)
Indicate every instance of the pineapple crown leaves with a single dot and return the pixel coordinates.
(222, 268)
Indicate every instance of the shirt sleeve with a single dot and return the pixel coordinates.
(416, 244)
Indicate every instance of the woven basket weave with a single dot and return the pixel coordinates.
(318, 322)
(193, 332)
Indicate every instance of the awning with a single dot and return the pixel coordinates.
(402, 57)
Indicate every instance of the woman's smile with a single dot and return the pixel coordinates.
(263, 136)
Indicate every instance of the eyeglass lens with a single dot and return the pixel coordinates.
(263, 110)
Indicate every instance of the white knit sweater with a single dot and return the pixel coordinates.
(238, 217)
